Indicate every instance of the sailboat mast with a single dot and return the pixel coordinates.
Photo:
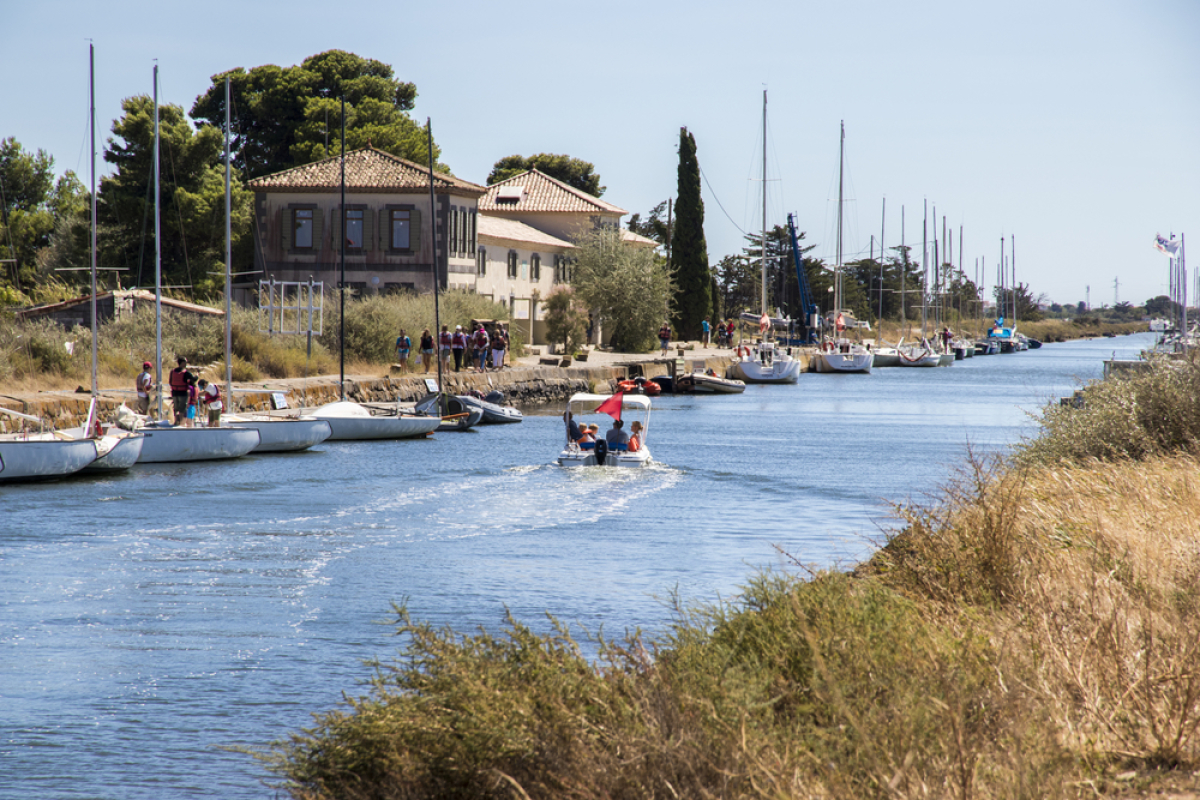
(903, 278)
(764, 206)
(837, 272)
(228, 267)
(1002, 298)
(342, 268)
(924, 267)
(437, 314)
(157, 261)
(95, 326)
(882, 228)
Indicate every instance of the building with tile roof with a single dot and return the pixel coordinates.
(389, 224)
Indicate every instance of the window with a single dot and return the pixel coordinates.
(401, 229)
(562, 269)
(354, 228)
(453, 230)
(471, 240)
(512, 263)
(302, 229)
(535, 267)
(481, 261)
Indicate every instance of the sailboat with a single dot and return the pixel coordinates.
(763, 362)
(165, 443)
(839, 354)
(353, 421)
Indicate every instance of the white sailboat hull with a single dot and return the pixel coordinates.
(776, 371)
(352, 422)
(120, 454)
(922, 358)
(165, 445)
(844, 362)
(886, 357)
(38, 459)
(283, 435)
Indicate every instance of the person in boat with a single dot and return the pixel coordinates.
(616, 435)
(587, 439)
(403, 348)
(193, 399)
(573, 431)
(426, 349)
(635, 436)
(144, 384)
(458, 345)
(178, 381)
(664, 336)
(210, 395)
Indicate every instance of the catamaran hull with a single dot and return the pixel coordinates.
(169, 445)
(925, 359)
(286, 435)
(123, 454)
(32, 459)
(886, 358)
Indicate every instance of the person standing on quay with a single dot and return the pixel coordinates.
(144, 384)
(664, 337)
(707, 329)
(481, 347)
(403, 348)
(426, 349)
(458, 345)
(178, 381)
(445, 340)
(499, 343)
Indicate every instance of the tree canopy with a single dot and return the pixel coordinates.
(574, 172)
(689, 252)
(629, 286)
(287, 116)
(192, 180)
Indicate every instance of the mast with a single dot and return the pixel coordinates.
(837, 272)
(1013, 267)
(764, 207)
(924, 267)
(903, 278)
(228, 263)
(342, 268)
(437, 315)
(157, 261)
(1003, 287)
(1183, 283)
(882, 228)
(95, 326)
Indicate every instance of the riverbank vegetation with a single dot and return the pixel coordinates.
(1032, 632)
(39, 354)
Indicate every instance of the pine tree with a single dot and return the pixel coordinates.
(689, 253)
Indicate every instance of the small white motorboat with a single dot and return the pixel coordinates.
(599, 453)
(351, 422)
(700, 382)
(764, 363)
(843, 355)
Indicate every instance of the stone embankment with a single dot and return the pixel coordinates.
(522, 385)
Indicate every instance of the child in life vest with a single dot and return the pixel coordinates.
(192, 397)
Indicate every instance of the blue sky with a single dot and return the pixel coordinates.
(1073, 126)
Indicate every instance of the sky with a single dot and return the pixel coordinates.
(1072, 127)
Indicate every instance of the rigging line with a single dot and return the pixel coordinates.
(179, 216)
(714, 194)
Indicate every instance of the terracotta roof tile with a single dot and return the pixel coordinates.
(513, 231)
(543, 193)
(367, 170)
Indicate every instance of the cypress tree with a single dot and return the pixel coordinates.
(689, 252)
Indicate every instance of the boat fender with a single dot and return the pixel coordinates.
(601, 451)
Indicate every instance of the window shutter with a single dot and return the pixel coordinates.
(318, 218)
(385, 230)
(472, 243)
(336, 226)
(415, 243)
(368, 218)
(287, 224)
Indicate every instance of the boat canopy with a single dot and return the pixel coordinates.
(628, 400)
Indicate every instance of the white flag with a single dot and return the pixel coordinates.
(1170, 247)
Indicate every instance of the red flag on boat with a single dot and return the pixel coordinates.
(611, 406)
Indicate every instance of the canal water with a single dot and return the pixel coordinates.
(151, 620)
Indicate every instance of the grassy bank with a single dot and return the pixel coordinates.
(40, 354)
(1050, 330)
(1032, 634)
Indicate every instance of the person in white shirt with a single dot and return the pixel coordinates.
(210, 395)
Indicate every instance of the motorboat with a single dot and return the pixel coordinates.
(986, 347)
(885, 354)
(350, 421)
(843, 355)
(281, 434)
(456, 415)
(167, 443)
(764, 363)
(493, 412)
(700, 382)
(599, 453)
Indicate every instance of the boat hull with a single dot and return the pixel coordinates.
(574, 457)
(921, 359)
(285, 435)
(123, 454)
(492, 414)
(886, 358)
(844, 362)
(38, 459)
(700, 383)
(172, 445)
(352, 422)
(774, 372)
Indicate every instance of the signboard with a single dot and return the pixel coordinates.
(431, 384)
(279, 400)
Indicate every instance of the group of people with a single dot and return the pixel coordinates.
(190, 396)
(586, 435)
(474, 348)
(724, 333)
